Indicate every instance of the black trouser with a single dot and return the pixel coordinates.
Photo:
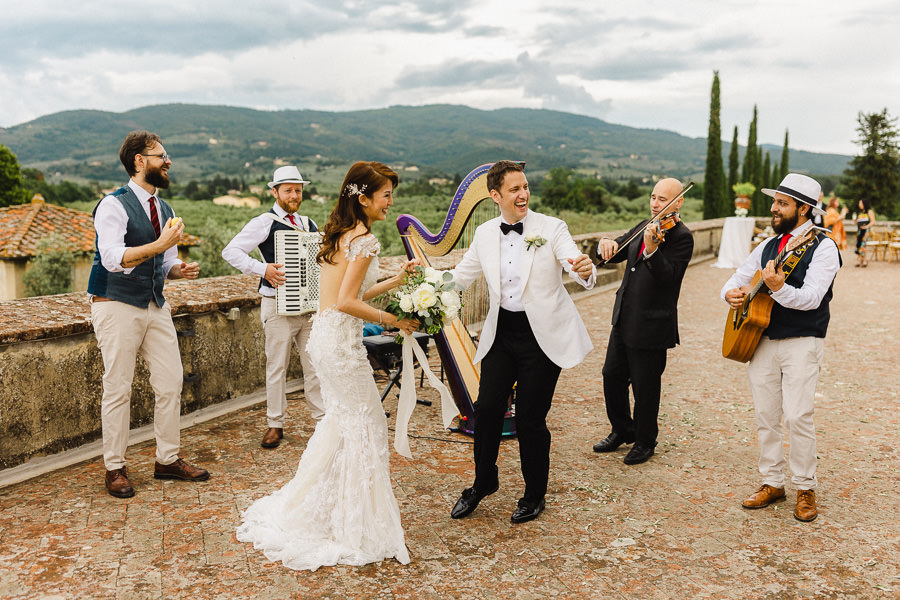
(642, 369)
(515, 357)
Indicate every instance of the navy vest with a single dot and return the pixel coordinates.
(267, 248)
(145, 282)
(789, 322)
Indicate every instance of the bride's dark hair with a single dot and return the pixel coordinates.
(362, 177)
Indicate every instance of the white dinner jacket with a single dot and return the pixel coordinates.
(555, 321)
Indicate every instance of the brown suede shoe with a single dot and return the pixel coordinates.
(180, 470)
(806, 506)
(117, 484)
(765, 496)
(272, 437)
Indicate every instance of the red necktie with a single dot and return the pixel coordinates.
(154, 216)
(291, 219)
(783, 242)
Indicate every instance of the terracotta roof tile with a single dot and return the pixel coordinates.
(24, 225)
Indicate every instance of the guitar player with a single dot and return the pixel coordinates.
(784, 369)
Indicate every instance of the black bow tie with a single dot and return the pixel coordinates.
(506, 228)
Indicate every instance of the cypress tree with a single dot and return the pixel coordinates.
(784, 159)
(733, 163)
(714, 178)
(750, 154)
(766, 179)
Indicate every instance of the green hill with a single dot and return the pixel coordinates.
(246, 143)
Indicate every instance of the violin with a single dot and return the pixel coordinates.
(664, 223)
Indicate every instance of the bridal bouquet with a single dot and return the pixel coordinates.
(428, 295)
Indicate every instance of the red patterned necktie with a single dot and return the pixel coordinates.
(783, 242)
(154, 216)
(291, 219)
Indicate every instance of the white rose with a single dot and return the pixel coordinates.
(406, 303)
(424, 297)
(432, 275)
(451, 313)
(449, 300)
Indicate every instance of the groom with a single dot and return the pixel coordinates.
(531, 332)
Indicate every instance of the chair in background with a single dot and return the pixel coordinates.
(894, 246)
(877, 243)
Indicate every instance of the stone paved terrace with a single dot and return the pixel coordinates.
(671, 528)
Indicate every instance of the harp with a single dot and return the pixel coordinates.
(471, 206)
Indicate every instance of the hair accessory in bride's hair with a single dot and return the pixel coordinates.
(352, 190)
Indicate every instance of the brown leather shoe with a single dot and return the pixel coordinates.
(806, 506)
(765, 496)
(272, 437)
(117, 484)
(180, 470)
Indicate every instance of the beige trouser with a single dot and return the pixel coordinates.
(123, 331)
(280, 332)
(783, 378)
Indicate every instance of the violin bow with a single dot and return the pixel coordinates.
(662, 211)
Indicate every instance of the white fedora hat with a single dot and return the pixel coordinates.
(801, 188)
(289, 174)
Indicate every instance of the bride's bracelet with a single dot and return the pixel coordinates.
(380, 318)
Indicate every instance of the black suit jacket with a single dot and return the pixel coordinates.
(646, 309)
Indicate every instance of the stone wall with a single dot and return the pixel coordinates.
(51, 370)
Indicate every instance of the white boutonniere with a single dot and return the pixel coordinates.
(535, 240)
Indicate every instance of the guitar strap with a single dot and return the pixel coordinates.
(793, 260)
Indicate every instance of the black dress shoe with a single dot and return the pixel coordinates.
(527, 511)
(611, 442)
(469, 500)
(638, 454)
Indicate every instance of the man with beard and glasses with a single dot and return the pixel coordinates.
(785, 367)
(137, 238)
(280, 330)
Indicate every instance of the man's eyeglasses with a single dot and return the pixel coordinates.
(165, 156)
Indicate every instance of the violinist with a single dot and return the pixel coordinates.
(644, 321)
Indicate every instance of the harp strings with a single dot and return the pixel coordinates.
(476, 298)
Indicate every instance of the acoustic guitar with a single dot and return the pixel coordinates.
(745, 325)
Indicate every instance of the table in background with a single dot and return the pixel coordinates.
(735, 246)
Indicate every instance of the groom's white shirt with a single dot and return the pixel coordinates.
(554, 320)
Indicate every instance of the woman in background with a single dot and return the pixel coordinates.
(864, 220)
(834, 222)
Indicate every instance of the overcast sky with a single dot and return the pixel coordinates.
(809, 66)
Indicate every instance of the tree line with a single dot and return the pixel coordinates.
(874, 174)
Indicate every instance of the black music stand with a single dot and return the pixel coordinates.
(386, 354)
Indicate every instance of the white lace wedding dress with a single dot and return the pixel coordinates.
(339, 508)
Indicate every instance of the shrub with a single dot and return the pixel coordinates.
(52, 270)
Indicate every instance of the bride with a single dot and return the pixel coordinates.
(340, 508)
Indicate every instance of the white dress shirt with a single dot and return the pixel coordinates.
(511, 269)
(111, 223)
(254, 233)
(819, 276)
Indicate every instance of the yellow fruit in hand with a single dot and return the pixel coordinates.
(175, 221)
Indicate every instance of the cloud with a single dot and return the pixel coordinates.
(459, 73)
(169, 29)
(533, 78)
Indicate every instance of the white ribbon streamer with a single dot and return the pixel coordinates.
(407, 400)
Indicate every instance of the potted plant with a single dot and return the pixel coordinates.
(743, 191)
